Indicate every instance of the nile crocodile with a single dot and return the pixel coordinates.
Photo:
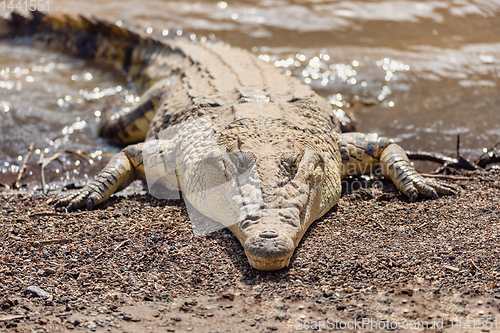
(254, 149)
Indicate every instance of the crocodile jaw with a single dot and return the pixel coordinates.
(269, 248)
(270, 254)
(269, 266)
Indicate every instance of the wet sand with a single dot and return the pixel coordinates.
(135, 265)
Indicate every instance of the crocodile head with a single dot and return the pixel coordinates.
(267, 191)
(262, 181)
(283, 197)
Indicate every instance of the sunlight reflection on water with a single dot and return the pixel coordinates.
(418, 71)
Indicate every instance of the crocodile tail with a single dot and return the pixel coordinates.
(88, 38)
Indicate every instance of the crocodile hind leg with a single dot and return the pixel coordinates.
(363, 153)
(122, 169)
(131, 126)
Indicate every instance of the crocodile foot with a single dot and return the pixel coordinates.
(408, 180)
(418, 184)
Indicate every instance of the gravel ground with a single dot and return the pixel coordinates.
(135, 265)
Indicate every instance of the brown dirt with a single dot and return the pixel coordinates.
(135, 265)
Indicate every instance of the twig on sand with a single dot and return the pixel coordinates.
(10, 317)
(46, 214)
(80, 154)
(99, 255)
(420, 226)
(431, 175)
(55, 240)
(451, 268)
(430, 156)
(43, 164)
(446, 161)
(473, 264)
(492, 155)
(51, 241)
(42, 175)
(121, 244)
(23, 167)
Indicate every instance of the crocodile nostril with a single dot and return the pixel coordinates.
(268, 234)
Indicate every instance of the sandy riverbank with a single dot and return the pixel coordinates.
(134, 265)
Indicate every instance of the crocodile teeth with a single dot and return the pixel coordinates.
(269, 266)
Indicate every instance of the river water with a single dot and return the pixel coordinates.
(420, 71)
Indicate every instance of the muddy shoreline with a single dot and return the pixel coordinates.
(135, 265)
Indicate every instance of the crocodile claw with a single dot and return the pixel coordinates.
(417, 184)
(85, 197)
(70, 201)
(90, 204)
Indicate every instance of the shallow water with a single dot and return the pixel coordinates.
(421, 72)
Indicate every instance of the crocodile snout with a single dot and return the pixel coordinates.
(269, 249)
(268, 234)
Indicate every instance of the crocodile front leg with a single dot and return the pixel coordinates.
(363, 153)
(124, 167)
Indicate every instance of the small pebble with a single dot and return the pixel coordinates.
(91, 326)
(37, 292)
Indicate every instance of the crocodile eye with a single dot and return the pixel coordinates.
(291, 162)
(242, 161)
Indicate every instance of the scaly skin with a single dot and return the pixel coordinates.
(249, 147)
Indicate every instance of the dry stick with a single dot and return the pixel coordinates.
(121, 244)
(55, 240)
(42, 175)
(429, 156)
(47, 214)
(23, 167)
(474, 265)
(462, 162)
(384, 266)
(52, 158)
(421, 226)
(440, 169)
(9, 317)
(431, 175)
(79, 154)
(99, 255)
(446, 161)
(490, 156)
(451, 268)
(43, 165)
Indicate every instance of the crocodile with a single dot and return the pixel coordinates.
(253, 148)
